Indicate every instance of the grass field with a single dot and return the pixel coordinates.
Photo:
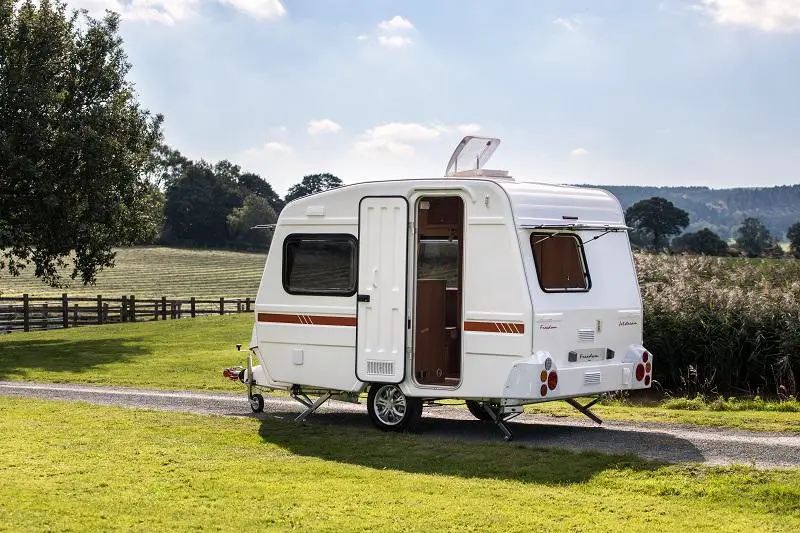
(158, 271)
(69, 466)
(191, 353)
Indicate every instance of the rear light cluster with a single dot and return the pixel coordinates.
(549, 381)
(644, 369)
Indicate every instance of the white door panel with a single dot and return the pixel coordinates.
(382, 249)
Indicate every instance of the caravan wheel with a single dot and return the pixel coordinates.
(477, 410)
(390, 409)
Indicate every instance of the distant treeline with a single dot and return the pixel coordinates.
(723, 210)
(218, 205)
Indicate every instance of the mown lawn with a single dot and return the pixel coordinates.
(155, 271)
(70, 466)
(191, 353)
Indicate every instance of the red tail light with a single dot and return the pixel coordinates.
(639, 372)
(552, 380)
(544, 390)
(647, 380)
(645, 356)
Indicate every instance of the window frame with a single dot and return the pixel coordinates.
(342, 237)
(582, 256)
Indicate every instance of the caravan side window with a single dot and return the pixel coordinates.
(560, 262)
(320, 264)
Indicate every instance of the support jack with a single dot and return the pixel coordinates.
(585, 408)
(500, 421)
(311, 406)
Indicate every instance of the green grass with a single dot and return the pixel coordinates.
(75, 467)
(152, 271)
(173, 354)
(191, 353)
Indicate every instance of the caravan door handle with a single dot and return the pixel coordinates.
(363, 297)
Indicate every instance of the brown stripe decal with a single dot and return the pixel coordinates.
(495, 327)
(309, 320)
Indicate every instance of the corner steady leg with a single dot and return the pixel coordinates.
(585, 408)
(310, 407)
(499, 422)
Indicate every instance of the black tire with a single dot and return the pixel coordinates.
(477, 410)
(257, 403)
(390, 409)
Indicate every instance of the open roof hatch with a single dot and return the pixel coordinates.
(471, 155)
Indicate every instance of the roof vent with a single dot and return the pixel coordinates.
(471, 155)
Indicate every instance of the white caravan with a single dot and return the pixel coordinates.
(473, 286)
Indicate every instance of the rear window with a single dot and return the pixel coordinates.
(560, 262)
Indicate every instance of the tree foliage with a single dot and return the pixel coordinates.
(703, 242)
(656, 218)
(755, 240)
(197, 207)
(250, 183)
(793, 234)
(74, 142)
(312, 184)
(255, 211)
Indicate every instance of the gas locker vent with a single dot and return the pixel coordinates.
(586, 335)
(591, 378)
(380, 368)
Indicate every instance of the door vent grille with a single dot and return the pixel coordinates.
(591, 378)
(380, 368)
(586, 335)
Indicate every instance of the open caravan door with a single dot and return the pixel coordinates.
(382, 289)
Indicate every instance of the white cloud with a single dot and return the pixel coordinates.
(569, 24)
(324, 125)
(259, 9)
(163, 11)
(766, 15)
(579, 152)
(399, 137)
(362, 37)
(468, 129)
(394, 41)
(396, 23)
(173, 11)
(273, 147)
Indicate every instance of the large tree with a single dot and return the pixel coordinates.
(242, 221)
(794, 239)
(704, 242)
(658, 219)
(197, 207)
(754, 239)
(75, 144)
(250, 183)
(312, 184)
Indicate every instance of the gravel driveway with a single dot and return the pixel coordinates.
(663, 442)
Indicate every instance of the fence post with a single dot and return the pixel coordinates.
(172, 310)
(45, 315)
(222, 305)
(123, 310)
(64, 311)
(99, 308)
(192, 304)
(247, 304)
(26, 313)
(105, 313)
(75, 316)
(163, 308)
(132, 308)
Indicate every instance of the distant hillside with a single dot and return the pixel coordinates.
(722, 210)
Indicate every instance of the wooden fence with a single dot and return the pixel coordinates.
(28, 313)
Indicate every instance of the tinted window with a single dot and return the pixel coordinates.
(560, 262)
(320, 264)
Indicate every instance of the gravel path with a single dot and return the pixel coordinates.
(663, 442)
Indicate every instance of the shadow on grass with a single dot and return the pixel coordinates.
(19, 357)
(548, 454)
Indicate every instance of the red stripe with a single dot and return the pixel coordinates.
(495, 327)
(316, 320)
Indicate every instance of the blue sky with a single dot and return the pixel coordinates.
(677, 92)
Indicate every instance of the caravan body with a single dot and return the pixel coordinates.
(472, 286)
